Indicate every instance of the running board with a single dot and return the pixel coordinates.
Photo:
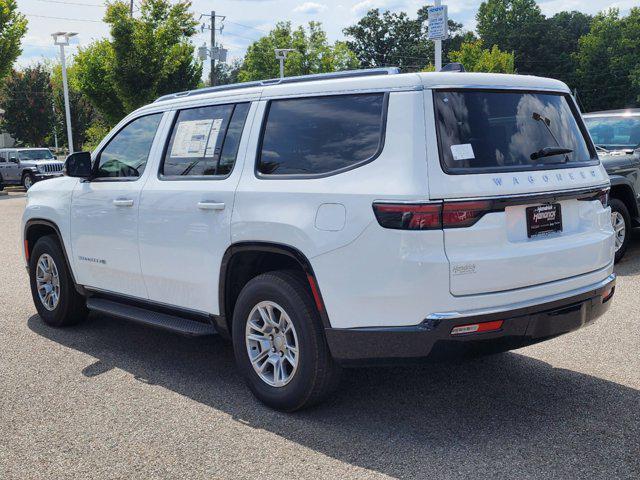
(151, 318)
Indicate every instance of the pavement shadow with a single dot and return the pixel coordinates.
(504, 416)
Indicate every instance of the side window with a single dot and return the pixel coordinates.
(126, 154)
(310, 136)
(3, 157)
(204, 141)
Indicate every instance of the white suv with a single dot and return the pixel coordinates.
(334, 220)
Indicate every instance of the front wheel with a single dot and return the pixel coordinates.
(279, 343)
(28, 181)
(621, 221)
(52, 287)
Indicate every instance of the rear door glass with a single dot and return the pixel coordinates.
(321, 135)
(483, 131)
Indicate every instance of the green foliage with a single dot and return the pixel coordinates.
(13, 26)
(475, 58)
(394, 39)
(148, 56)
(27, 102)
(94, 135)
(515, 26)
(312, 53)
(608, 61)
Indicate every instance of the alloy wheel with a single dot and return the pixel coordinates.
(619, 227)
(48, 282)
(272, 344)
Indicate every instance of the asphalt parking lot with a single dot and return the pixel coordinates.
(110, 399)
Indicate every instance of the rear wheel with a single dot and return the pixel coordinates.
(28, 181)
(279, 343)
(621, 221)
(52, 288)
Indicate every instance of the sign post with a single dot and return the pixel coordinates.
(438, 30)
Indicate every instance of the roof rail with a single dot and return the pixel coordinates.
(281, 81)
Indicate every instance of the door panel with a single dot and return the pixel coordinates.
(185, 210)
(104, 211)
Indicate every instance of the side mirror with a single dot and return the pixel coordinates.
(78, 165)
(13, 160)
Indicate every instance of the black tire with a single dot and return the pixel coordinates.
(71, 307)
(317, 374)
(618, 206)
(1, 184)
(29, 177)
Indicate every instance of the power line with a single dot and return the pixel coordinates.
(74, 3)
(247, 26)
(64, 18)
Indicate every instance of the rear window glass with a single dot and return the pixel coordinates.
(490, 131)
(615, 132)
(310, 136)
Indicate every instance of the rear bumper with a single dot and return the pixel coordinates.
(432, 338)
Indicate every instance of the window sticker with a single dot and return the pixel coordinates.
(462, 152)
(192, 137)
(213, 137)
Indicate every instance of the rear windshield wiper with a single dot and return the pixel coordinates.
(550, 152)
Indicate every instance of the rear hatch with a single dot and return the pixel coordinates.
(522, 189)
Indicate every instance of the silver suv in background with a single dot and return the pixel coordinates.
(25, 166)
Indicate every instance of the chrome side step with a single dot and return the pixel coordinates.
(151, 318)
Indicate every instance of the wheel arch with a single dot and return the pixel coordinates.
(263, 255)
(622, 189)
(36, 228)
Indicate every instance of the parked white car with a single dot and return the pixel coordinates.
(334, 220)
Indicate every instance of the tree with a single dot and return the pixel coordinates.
(563, 32)
(394, 39)
(608, 61)
(27, 102)
(478, 59)
(147, 56)
(13, 26)
(516, 26)
(311, 53)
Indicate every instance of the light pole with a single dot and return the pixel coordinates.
(62, 39)
(281, 55)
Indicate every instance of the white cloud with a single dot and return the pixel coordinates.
(364, 6)
(310, 8)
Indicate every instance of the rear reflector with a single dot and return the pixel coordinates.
(477, 327)
(607, 294)
(26, 250)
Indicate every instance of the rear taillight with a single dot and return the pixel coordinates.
(603, 196)
(409, 216)
(430, 216)
(464, 214)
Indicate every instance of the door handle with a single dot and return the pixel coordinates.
(123, 202)
(210, 205)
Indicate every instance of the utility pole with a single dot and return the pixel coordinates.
(55, 133)
(131, 8)
(281, 55)
(62, 39)
(213, 46)
(438, 45)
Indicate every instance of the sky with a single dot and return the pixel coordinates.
(247, 20)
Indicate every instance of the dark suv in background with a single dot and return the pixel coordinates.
(616, 134)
